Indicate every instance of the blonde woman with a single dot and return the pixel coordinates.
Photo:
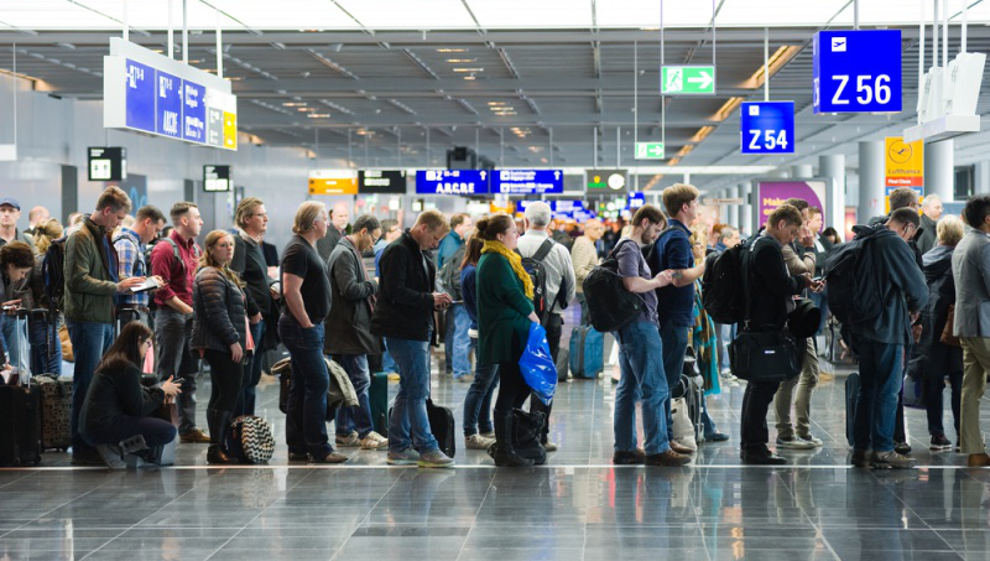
(220, 335)
(46, 352)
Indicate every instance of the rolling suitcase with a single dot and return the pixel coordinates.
(586, 352)
(378, 396)
(56, 406)
(20, 425)
(852, 394)
(442, 427)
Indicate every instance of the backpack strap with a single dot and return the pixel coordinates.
(544, 250)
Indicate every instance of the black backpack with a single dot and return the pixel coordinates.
(854, 292)
(53, 276)
(610, 305)
(537, 271)
(721, 296)
(450, 275)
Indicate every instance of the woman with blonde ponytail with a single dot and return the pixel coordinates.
(505, 312)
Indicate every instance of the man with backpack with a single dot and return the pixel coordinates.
(175, 259)
(675, 302)
(889, 291)
(549, 265)
(640, 353)
(130, 246)
(455, 321)
(91, 284)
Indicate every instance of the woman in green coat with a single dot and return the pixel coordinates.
(505, 312)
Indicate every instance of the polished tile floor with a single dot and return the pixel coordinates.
(579, 507)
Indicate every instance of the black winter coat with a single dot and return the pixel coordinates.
(348, 326)
(116, 392)
(405, 299)
(219, 307)
(942, 359)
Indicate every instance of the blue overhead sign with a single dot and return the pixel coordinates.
(169, 105)
(140, 96)
(857, 71)
(527, 181)
(452, 181)
(767, 127)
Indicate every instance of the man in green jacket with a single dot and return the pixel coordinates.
(91, 283)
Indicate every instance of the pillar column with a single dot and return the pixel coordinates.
(735, 210)
(940, 169)
(871, 180)
(746, 210)
(833, 166)
(802, 170)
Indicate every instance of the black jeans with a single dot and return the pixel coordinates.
(227, 377)
(156, 432)
(554, 324)
(756, 401)
(934, 389)
(512, 389)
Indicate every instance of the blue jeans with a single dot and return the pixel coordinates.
(10, 343)
(252, 371)
(478, 401)
(642, 371)
(89, 341)
(409, 426)
(461, 342)
(880, 374)
(674, 346)
(44, 338)
(388, 363)
(356, 418)
(306, 415)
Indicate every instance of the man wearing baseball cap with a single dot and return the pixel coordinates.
(10, 213)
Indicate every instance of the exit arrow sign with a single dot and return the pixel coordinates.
(649, 151)
(687, 80)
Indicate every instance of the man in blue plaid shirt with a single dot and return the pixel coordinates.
(130, 245)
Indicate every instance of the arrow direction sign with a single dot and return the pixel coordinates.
(649, 151)
(687, 80)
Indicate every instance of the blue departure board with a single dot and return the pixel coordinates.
(140, 96)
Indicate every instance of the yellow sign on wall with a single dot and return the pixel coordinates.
(333, 182)
(904, 163)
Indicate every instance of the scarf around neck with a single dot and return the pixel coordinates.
(515, 261)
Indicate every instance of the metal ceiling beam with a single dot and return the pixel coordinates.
(325, 61)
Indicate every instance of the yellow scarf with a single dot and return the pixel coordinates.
(495, 246)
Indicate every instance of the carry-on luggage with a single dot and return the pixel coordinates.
(378, 396)
(852, 394)
(442, 427)
(56, 408)
(586, 352)
(20, 425)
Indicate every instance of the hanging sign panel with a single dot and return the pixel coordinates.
(333, 182)
(147, 92)
(857, 71)
(452, 182)
(606, 180)
(767, 127)
(527, 181)
(383, 181)
(687, 80)
(904, 162)
(649, 151)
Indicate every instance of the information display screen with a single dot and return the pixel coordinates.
(392, 182)
(452, 182)
(527, 181)
(107, 163)
(216, 178)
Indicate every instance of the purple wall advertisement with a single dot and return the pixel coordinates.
(772, 194)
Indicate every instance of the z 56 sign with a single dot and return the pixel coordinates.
(857, 71)
(767, 127)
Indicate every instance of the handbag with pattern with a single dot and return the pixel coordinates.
(250, 439)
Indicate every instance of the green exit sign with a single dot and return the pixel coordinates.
(687, 80)
(649, 150)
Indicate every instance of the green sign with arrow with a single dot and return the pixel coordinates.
(649, 150)
(687, 80)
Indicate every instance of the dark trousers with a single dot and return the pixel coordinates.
(934, 387)
(512, 389)
(756, 401)
(226, 377)
(252, 371)
(156, 432)
(554, 324)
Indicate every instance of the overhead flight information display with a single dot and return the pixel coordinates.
(527, 181)
(147, 92)
(767, 127)
(452, 181)
(857, 71)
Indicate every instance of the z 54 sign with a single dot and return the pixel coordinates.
(767, 127)
(857, 71)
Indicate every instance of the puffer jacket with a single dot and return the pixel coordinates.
(220, 310)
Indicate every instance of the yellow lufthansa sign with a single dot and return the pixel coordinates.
(333, 182)
(904, 162)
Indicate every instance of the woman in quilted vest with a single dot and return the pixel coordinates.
(118, 409)
(220, 335)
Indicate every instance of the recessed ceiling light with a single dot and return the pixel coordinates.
(451, 50)
(461, 60)
(469, 69)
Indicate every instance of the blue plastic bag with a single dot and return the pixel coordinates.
(537, 366)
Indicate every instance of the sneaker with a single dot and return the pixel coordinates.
(629, 457)
(794, 443)
(488, 434)
(348, 440)
(407, 457)
(687, 443)
(680, 448)
(194, 436)
(550, 446)
(330, 458)
(940, 444)
(477, 442)
(112, 456)
(891, 460)
(813, 440)
(435, 459)
(716, 437)
(861, 458)
(902, 448)
(668, 458)
(374, 441)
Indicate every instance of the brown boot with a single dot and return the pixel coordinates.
(978, 460)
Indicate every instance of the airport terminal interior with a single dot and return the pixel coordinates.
(393, 108)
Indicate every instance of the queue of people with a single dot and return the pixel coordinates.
(130, 290)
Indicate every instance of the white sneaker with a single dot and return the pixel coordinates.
(794, 443)
(374, 441)
(349, 441)
(814, 440)
(478, 442)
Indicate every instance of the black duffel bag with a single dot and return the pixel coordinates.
(765, 356)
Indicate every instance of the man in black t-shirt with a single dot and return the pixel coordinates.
(306, 291)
